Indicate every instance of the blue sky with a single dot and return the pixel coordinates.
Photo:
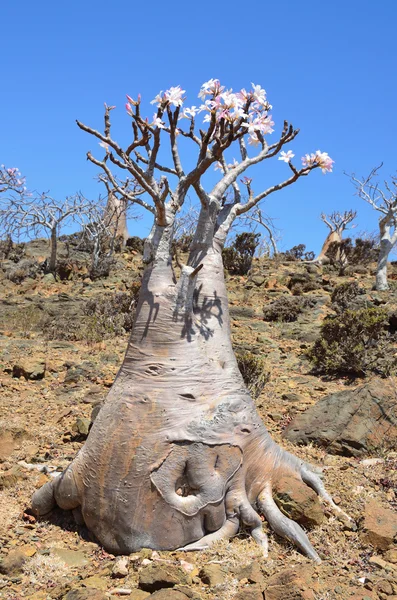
(329, 69)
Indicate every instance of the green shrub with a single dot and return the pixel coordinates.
(237, 258)
(254, 372)
(297, 253)
(343, 295)
(354, 342)
(287, 308)
(110, 316)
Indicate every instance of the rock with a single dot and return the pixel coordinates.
(84, 594)
(72, 558)
(81, 426)
(299, 502)
(13, 562)
(391, 556)
(156, 576)
(138, 595)
(293, 397)
(212, 574)
(11, 477)
(96, 581)
(258, 280)
(29, 368)
(242, 312)
(120, 567)
(380, 526)
(249, 593)
(290, 585)
(168, 595)
(251, 572)
(351, 422)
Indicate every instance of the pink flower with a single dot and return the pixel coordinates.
(319, 159)
(128, 108)
(286, 156)
(157, 122)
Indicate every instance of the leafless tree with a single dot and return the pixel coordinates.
(24, 214)
(337, 223)
(178, 455)
(268, 243)
(384, 200)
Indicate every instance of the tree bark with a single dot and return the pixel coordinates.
(178, 456)
(53, 250)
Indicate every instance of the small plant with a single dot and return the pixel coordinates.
(300, 283)
(287, 308)
(135, 243)
(297, 253)
(354, 342)
(28, 267)
(363, 252)
(254, 371)
(110, 316)
(237, 258)
(343, 295)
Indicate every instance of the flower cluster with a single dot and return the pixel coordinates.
(320, 159)
(11, 177)
(173, 96)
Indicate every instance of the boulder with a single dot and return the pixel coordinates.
(30, 368)
(156, 576)
(380, 525)
(12, 563)
(351, 422)
(299, 502)
(85, 594)
(251, 592)
(291, 584)
(250, 572)
(168, 595)
(212, 574)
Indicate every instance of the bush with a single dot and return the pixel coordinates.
(135, 243)
(343, 295)
(362, 252)
(237, 258)
(254, 372)
(300, 283)
(354, 342)
(287, 308)
(28, 267)
(110, 316)
(102, 268)
(11, 251)
(297, 253)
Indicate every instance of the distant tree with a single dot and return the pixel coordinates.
(337, 223)
(23, 213)
(384, 201)
(268, 243)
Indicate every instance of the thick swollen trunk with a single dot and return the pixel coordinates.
(116, 209)
(381, 270)
(53, 250)
(333, 236)
(178, 455)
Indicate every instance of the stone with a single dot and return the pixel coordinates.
(138, 595)
(251, 572)
(96, 581)
(153, 577)
(351, 422)
(291, 584)
(298, 502)
(120, 567)
(242, 312)
(81, 426)
(168, 595)
(249, 593)
(258, 280)
(10, 478)
(85, 594)
(30, 368)
(391, 556)
(380, 525)
(13, 562)
(72, 558)
(212, 574)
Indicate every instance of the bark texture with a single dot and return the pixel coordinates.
(178, 456)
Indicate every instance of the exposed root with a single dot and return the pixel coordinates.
(314, 481)
(284, 526)
(43, 500)
(228, 530)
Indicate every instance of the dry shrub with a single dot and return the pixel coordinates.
(45, 570)
(287, 308)
(355, 342)
(237, 258)
(254, 371)
(28, 267)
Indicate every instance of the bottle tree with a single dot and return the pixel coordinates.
(178, 456)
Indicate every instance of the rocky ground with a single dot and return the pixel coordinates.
(56, 366)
